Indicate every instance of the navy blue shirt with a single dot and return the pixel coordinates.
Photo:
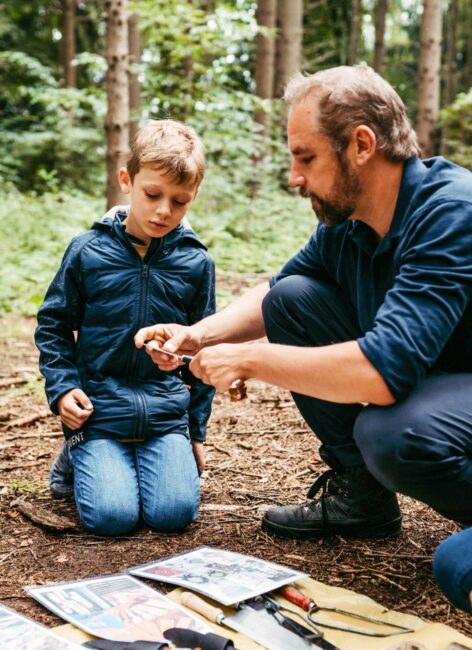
(412, 289)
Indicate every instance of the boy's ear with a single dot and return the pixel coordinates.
(124, 180)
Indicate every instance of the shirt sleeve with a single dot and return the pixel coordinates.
(201, 395)
(308, 261)
(427, 300)
(59, 316)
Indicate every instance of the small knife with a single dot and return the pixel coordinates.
(258, 625)
(237, 391)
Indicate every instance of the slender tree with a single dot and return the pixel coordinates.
(429, 75)
(379, 46)
(288, 42)
(68, 42)
(117, 119)
(265, 57)
(468, 66)
(134, 44)
(355, 30)
(450, 66)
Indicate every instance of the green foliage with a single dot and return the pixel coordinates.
(49, 136)
(458, 118)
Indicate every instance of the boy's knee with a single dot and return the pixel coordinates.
(110, 520)
(172, 516)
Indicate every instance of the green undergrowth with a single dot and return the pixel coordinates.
(245, 234)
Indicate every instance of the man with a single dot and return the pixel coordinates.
(370, 325)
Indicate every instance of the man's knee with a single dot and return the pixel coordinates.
(304, 311)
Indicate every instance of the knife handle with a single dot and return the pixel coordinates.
(296, 597)
(213, 614)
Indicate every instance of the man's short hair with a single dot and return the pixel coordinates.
(349, 96)
(171, 147)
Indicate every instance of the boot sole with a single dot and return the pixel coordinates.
(366, 531)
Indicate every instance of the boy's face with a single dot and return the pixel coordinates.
(157, 205)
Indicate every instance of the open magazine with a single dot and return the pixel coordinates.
(117, 608)
(20, 633)
(225, 576)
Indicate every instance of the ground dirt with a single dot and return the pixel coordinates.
(259, 453)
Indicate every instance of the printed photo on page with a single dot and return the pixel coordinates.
(20, 633)
(117, 608)
(225, 576)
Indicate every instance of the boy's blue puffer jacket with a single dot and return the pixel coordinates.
(102, 294)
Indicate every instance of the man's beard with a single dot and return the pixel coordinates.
(340, 203)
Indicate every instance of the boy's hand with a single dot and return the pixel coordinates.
(173, 337)
(74, 408)
(199, 453)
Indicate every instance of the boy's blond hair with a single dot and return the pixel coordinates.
(171, 147)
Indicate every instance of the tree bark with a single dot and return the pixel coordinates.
(288, 42)
(450, 67)
(68, 43)
(379, 47)
(117, 119)
(355, 29)
(134, 44)
(468, 61)
(264, 72)
(429, 75)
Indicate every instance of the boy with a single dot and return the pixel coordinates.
(130, 428)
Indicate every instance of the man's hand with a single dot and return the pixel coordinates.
(199, 453)
(75, 408)
(221, 365)
(172, 337)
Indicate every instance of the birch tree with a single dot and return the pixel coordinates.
(117, 119)
(429, 75)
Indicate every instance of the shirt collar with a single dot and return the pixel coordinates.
(364, 235)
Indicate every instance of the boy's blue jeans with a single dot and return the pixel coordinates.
(115, 483)
(452, 566)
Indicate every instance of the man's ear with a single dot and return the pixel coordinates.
(363, 144)
(124, 180)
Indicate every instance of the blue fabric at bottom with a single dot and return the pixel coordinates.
(115, 483)
(452, 566)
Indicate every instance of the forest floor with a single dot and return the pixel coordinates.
(260, 453)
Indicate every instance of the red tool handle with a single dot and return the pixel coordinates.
(296, 597)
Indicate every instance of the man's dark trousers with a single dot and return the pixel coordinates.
(420, 446)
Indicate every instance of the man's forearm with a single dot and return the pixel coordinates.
(337, 373)
(240, 321)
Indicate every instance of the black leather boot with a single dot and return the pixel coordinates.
(352, 503)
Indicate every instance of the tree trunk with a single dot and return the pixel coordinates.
(134, 43)
(288, 42)
(429, 75)
(468, 60)
(68, 43)
(265, 58)
(355, 29)
(117, 119)
(450, 67)
(379, 47)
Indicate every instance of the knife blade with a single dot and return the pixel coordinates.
(258, 625)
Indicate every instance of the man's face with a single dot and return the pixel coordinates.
(326, 179)
(157, 205)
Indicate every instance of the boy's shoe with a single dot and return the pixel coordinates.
(352, 503)
(61, 477)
